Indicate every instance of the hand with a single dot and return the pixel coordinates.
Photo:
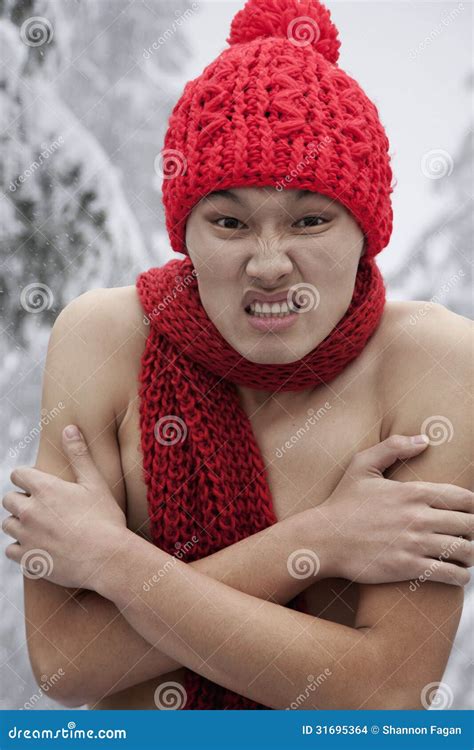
(61, 527)
(397, 531)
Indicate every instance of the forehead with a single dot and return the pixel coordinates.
(244, 195)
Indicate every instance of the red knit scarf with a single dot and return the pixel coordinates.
(206, 478)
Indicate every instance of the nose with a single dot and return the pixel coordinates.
(269, 263)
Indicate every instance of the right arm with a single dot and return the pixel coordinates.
(77, 630)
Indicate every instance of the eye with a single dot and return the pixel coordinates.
(233, 222)
(313, 220)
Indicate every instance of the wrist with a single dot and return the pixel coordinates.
(115, 552)
(313, 532)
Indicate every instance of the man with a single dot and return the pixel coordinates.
(239, 378)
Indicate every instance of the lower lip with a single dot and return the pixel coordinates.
(272, 323)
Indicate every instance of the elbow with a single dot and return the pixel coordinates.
(57, 680)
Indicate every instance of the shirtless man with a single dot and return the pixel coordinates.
(407, 374)
(273, 111)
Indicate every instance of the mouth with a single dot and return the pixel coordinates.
(272, 309)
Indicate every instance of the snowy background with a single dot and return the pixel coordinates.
(83, 111)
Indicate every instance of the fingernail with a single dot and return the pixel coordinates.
(71, 431)
(420, 439)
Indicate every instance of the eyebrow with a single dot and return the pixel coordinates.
(306, 193)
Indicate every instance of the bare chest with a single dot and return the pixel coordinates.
(305, 448)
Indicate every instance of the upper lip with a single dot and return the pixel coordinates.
(262, 297)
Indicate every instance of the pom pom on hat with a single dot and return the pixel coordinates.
(302, 23)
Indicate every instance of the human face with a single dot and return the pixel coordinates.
(298, 246)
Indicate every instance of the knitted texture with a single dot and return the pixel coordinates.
(275, 109)
(206, 478)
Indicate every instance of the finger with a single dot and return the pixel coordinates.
(451, 522)
(450, 548)
(382, 455)
(12, 527)
(15, 502)
(450, 497)
(14, 552)
(26, 477)
(446, 572)
(82, 464)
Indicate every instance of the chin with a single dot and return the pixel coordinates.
(272, 354)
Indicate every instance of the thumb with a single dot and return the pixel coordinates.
(379, 457)
(76, 449)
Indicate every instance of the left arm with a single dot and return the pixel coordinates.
(404, 631)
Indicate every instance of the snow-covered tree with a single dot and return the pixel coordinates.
(439, 267)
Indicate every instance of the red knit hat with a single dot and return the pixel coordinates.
(274, 109)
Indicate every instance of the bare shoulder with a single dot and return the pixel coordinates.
(425, 377)
(111, 315)
(100, 335)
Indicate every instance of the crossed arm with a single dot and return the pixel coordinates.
(400, 643)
